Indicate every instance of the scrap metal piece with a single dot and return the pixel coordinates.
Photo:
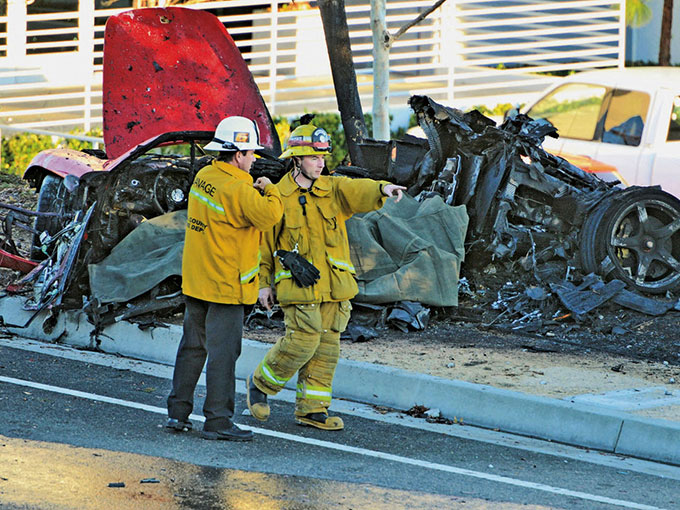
(408, 314)
(54, 275)
(581, 301)
(357, 333)
(16, 262)
(152, 305)
(640, 303)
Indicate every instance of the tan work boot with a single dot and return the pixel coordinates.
(321, 421)
(256, 400)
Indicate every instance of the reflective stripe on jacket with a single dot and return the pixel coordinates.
(318, 231)
(225, 220)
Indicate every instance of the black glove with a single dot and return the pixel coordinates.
(304, 273)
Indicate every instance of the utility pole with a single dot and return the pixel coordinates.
(381, 71)
(382, 43)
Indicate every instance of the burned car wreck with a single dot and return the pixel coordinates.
(566, 240)
(88, 216)
(160, 106)
(524, 202)
(558, 230)
(495, 194)
(570, 234)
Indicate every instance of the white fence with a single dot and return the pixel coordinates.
(466, 52)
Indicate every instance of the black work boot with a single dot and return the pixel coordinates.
(179, 425)
(256, 400)
(230, 433)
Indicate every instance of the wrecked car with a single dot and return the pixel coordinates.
(527, 204)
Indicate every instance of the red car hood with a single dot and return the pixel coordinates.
(174, 69)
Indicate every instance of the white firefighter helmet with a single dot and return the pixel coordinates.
(235, 134)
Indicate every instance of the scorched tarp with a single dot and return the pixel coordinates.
(406, 251)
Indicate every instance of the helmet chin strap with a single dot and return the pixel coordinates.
(300, 171)
(310, 177)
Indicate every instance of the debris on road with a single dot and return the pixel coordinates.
(432, 415)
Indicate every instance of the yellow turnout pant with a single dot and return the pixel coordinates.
(310, 347)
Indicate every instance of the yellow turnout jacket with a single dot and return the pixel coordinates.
(225, 220)
(317, 230)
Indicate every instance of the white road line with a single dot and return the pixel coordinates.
(345, 448)
(368, 412)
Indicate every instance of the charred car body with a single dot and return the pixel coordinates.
(527, 204)
(167, 85)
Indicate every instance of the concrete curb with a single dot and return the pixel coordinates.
(545, 418)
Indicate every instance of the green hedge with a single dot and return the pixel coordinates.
(497, 111)
(331, 122)
(18, 150)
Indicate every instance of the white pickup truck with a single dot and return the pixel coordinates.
(622, 124)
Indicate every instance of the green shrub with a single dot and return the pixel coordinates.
(401, 131)
(18, 150)
(331, 122)
(79, 145)
(498, 110)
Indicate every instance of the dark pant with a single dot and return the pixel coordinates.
(214, 331)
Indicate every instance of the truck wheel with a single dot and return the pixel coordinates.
(635, 237)
(50, 199)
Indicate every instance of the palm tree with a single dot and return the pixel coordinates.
(638, 13)
(666, 25)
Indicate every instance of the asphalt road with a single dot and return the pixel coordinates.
(73, 422)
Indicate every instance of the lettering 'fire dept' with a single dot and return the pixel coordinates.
(195, 224)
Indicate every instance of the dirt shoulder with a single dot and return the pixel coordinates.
(513, 362)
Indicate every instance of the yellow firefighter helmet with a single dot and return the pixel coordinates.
(307, 140)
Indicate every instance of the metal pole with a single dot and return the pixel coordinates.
(622, 34)
(16, 32)
(381, 71)
(449, 35)
(86, 50)
(273, 50)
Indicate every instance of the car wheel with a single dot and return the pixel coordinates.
(49, 199)
(591, 251)
(635, 237)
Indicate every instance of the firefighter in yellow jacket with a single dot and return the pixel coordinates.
(306, 258)
(226, 215)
